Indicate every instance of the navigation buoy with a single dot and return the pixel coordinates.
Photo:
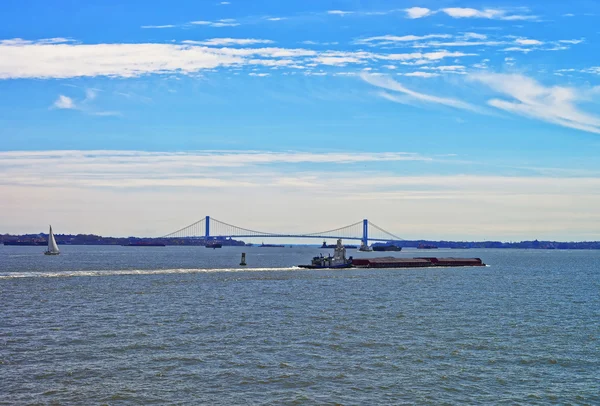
(243, 262)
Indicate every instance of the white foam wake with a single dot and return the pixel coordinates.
(71, 274)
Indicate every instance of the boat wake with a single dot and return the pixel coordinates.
(73, 274)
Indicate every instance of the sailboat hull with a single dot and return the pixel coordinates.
(51, 253)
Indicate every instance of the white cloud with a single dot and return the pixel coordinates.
(421, 74)
(418, 12)
(473, 35)
(224, 3)
(385, 82)
(462, 44)
(226, 22)
(340, 12)
(387, 39)
(489, 13)
(258, 74)
(529, 98)
(518, 49)
(158, 26)
(276, 18)
(119, 60)
(229, 41)
(64, 102)
(571, 41)
(338, 60)
(21, 41)
(83, 105)
(455, 69)
(526, 41)
(90, 94)
(446, 68)
(35, 60)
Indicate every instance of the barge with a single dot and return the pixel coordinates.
(391, 262)
(339, 260)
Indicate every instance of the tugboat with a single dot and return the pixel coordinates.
(337, 261)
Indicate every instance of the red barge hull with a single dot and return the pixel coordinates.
(391, 262)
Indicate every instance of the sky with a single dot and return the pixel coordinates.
(440, 119)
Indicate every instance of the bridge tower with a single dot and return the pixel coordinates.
(365, 236)
(207, 227)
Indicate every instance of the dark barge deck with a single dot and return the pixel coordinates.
(422, 262)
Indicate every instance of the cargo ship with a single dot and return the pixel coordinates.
(386, 247)
(263, 245)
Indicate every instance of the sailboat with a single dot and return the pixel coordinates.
(52, 247)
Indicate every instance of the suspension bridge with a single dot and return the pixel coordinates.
(210, 228)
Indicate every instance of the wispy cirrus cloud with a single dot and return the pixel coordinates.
(390, 39)
(339, 12)
(83, 104)
(225, 22)
(529, 98)
(411, 96)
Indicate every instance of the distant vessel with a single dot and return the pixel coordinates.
(214, 245)
(144, 244)
(426, 247)
(365, 248)
(386, 247)
(263, 245)
(337, 261)
(52, 247)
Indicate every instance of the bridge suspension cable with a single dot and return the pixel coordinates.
(323, 233)
(193, 230)
(246, 230)
(385, 232)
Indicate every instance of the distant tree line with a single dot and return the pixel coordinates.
(92, 239)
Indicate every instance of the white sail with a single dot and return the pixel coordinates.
(52, 247)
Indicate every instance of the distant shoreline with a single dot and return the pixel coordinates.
(90, 239)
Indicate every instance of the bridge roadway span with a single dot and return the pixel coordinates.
(211, 228)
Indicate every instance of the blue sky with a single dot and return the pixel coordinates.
(436, 119)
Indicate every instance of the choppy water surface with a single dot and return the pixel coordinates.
(185, 325)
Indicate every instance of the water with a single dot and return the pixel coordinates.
(185, 325)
